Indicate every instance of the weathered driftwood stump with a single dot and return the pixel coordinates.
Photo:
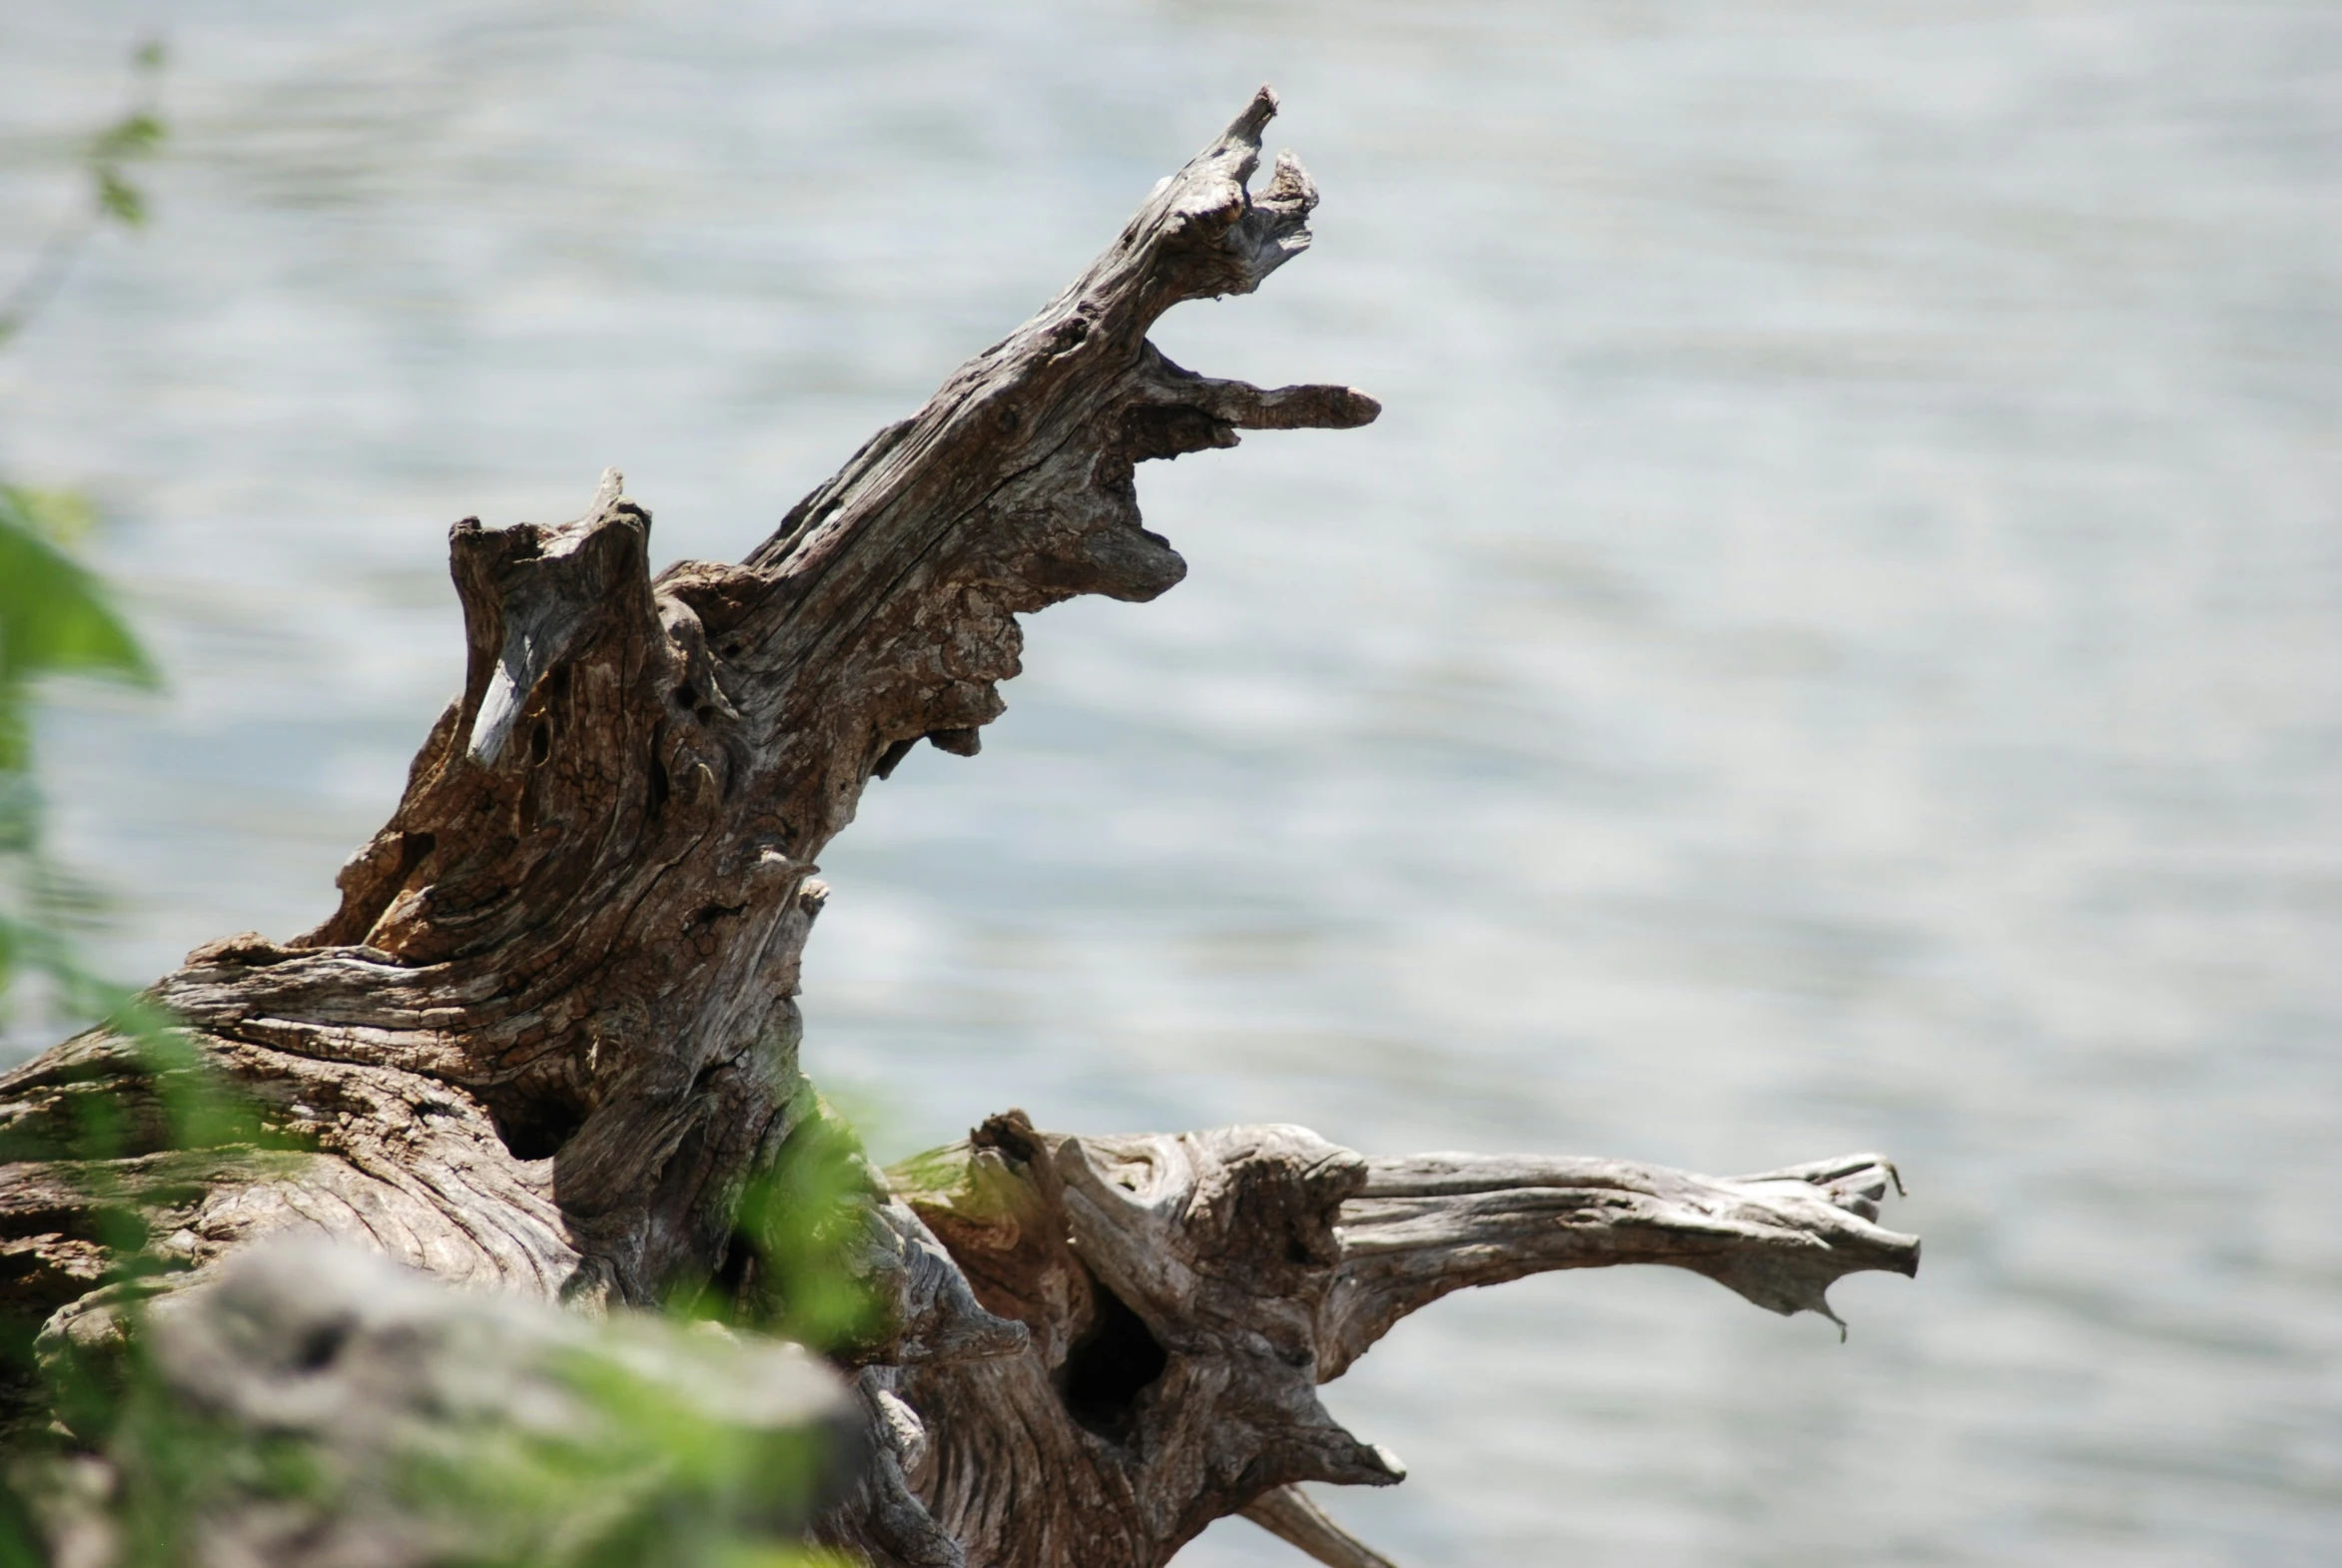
(549, 1032)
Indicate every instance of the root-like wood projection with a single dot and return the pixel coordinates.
(550, 1031)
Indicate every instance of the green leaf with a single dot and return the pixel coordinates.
(60, 516)
(54, 614)
(119, 198)
(132, 136)
(801, 1230)
(135, 135)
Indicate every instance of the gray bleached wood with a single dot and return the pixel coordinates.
(1290, 1515)
(1425, 1225)
(551, 1030)
(1184, 1296)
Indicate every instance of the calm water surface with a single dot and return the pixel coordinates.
(1836, 643)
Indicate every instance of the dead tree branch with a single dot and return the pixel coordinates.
(550, 1031)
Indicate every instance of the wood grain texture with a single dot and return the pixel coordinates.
(551, 1029)
(1185, 1296)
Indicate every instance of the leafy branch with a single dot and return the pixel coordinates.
(135, 135)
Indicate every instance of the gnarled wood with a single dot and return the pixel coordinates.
(550, 1031)
(552, 1025)
(1184, 1296)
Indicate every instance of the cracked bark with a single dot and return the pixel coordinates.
(551, 1028)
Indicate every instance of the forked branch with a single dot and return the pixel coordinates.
(1185, 1296)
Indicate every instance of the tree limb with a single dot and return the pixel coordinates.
(1185, 1296)
(1288, 1514)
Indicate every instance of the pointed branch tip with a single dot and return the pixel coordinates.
(1288, 1514)
(1247, 126)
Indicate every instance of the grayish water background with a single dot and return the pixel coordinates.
(1837, 643)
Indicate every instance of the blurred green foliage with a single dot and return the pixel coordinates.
(54, 619)
(652, 1484)
(799, 1235)
(166, 1462)
(645, 1479)
(136, 135)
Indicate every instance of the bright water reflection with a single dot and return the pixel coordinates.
(1834, 644)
